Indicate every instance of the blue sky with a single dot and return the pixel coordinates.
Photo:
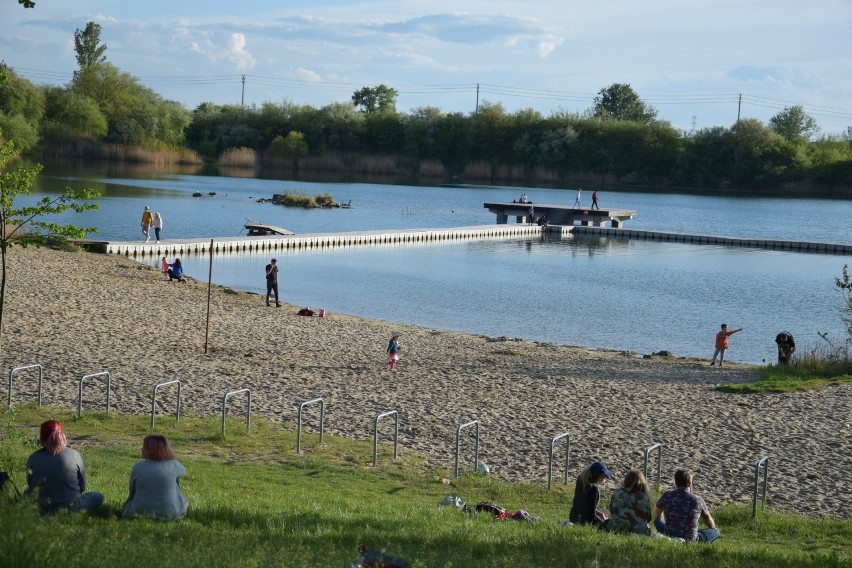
(690, 59)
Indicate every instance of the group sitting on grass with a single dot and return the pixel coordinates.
(56, 477)
(678, 510)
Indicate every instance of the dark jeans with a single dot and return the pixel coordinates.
(270, 288)
(157, 231)
(704, 535)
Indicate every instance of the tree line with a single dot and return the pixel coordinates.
(619, 139)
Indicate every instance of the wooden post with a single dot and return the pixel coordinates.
(209, 292)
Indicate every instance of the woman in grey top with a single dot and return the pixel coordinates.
(56, 474)
(155, 483)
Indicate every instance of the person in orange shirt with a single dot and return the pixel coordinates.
(722, 343)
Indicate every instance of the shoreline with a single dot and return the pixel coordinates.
(79, 313)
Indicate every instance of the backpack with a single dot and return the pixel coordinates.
(492, 508)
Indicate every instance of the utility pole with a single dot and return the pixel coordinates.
(739, 106)
(243, 97)
(477, 99)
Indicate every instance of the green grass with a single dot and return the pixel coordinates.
(816, 370)
(254, 502)
(295, 199)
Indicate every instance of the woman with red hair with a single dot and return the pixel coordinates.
(56, 475)
(155, 483)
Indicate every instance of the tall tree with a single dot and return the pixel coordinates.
(793, 124)
(376, 99)
(87, 44)
(620, 102)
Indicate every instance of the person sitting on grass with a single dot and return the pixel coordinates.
(56, 475)
(678, 511)
(587, 495)
(630, 506)
(176, 271)
(155, 483)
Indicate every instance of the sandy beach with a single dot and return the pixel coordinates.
(80, 313)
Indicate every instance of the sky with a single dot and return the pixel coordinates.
(700, 63)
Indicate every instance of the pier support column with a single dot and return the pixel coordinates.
(502, 219)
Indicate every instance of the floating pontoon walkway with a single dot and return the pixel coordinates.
(773, 244)
(182, 247)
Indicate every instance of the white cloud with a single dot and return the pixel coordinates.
(307, 74)
(237, 53)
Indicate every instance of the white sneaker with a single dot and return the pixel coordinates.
(158, 242)
(148, 239)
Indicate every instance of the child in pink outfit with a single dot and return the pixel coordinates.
(393, 351)
(165, 267)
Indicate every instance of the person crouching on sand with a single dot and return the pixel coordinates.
(393, 351)
(165, 267)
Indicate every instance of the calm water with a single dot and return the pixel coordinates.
(620, 294)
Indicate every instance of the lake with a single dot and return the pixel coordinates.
(634, 295)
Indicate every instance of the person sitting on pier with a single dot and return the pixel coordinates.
(176, 271)
(524, 198)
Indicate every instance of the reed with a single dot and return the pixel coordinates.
(510, 172)
(542, 173)
(375, 165)
(326, 163)
(238, 157)
(88, 148)
(478, 170)
(432, 169)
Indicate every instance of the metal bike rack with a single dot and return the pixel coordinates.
(395, 414)
(24, 368)
(299, 427)
(550, 459)
(764, 461)
(225, 408)
(154, 400)
(458, 444)
(648, 450)
(80, 399)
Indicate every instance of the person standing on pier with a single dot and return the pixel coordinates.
(272, 281)
(158, 225)
(595, 201)
(722, 343)
(579, 194)
(147, 221)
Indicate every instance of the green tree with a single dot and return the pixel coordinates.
(620, 102)
(376, 99)
(21, 108)
(28, 225)
(87, 45)
(293, 146)
(794, 125)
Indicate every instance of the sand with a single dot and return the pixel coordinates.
(80, 313)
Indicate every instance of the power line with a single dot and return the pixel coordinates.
(450, 88)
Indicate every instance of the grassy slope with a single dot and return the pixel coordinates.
(254, 502)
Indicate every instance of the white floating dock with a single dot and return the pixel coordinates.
(182, 247)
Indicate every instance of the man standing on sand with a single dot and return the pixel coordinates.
(722, 344)
(577, 201)
(272, 282)
(147, 220)
(679, 510)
